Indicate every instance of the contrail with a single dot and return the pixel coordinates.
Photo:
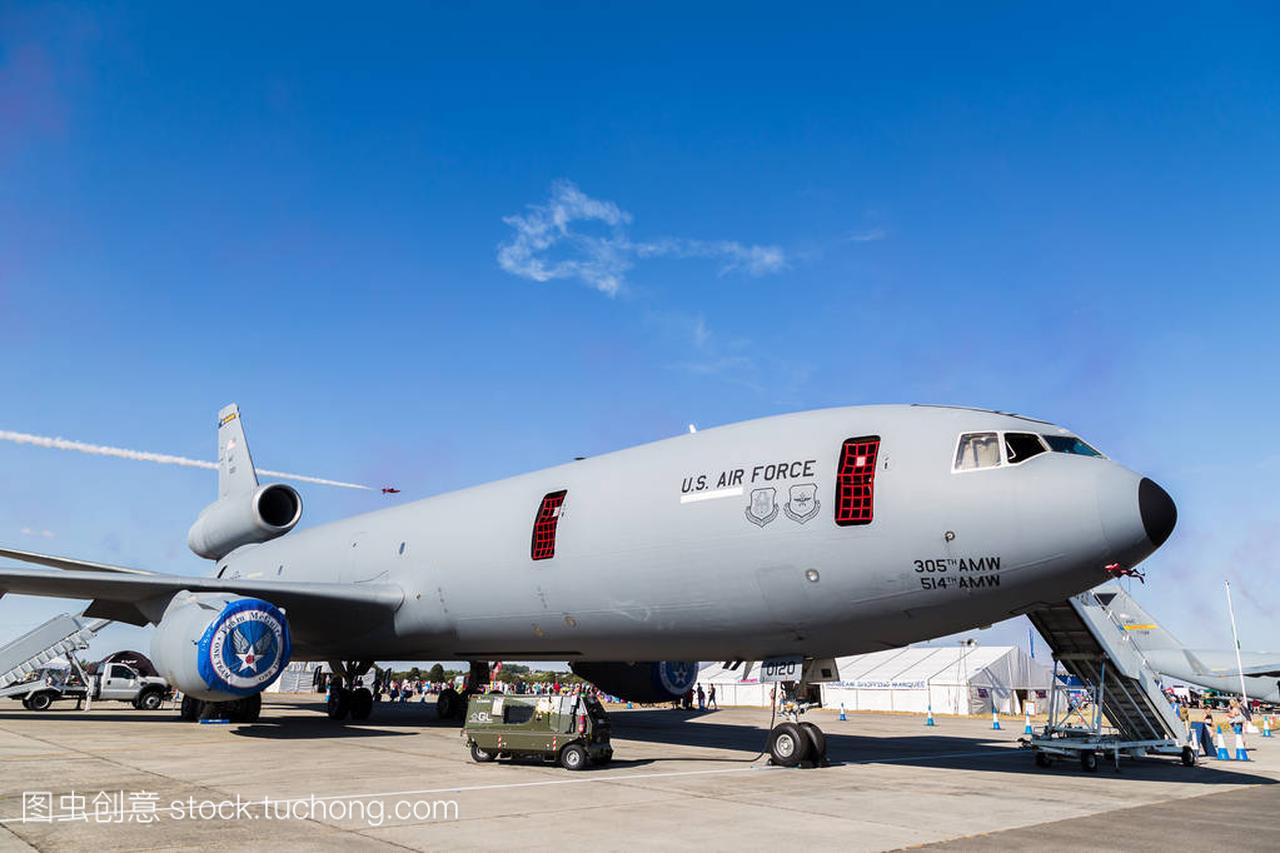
(159, 458)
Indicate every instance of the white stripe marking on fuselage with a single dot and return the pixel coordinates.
(715, 494)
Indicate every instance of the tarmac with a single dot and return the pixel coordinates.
(114, 778)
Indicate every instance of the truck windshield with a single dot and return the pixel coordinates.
(595, 710)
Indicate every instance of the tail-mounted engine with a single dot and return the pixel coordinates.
(654, 681)
(218, 647)
(257, 516)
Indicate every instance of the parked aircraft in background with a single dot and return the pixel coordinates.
(814, 534)
(1215, 669)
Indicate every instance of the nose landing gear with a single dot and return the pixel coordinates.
(793, 743)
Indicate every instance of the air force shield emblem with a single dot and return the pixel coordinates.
(803, 502)
(763, 507)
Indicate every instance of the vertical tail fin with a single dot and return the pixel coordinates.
(236, 474)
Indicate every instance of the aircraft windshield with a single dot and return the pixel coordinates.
(1021, 446)
(1069, 444)
(978, 450)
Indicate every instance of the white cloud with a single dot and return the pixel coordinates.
(576, 236)
(869, 235)
(31, 531)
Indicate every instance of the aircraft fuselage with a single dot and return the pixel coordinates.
(739, 542)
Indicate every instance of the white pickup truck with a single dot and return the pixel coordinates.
(118, 682)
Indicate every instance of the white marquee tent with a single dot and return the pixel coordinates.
(950, 679)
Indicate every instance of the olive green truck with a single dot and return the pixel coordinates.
(571, 730)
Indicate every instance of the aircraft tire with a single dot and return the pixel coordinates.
(191, 709)
(573, 757)
(449, 704)
(361, 703)
(339, 703)
(817, 742)
(247, 710)
(788, 745)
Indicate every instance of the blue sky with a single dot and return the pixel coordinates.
(341, 223)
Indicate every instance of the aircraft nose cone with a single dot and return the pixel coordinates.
(1158, 511)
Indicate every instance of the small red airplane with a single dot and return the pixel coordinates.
(387, 490)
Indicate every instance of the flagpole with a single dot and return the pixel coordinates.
(1236, 639)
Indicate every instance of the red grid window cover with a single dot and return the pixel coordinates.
(544, 526)
(856, 480)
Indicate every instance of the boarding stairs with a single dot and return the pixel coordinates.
(1089, 643)
(61, 636)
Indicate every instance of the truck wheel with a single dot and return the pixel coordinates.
(1043, 759)
(605, 757)
(573, 757)
(40, 701)
(191, 709)
(1088, 761)
(481, 756)
(26, 702)
(150, 701)
(1188, 757)
(788, 746)
(361, 703)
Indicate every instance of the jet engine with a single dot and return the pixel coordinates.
(220, 647)
(653, 681)
(226, 524)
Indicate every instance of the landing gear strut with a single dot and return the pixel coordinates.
(344, 697)
(452, 705)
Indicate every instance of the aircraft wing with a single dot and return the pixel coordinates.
(141, 598)
(68, 563)
(1221, 663)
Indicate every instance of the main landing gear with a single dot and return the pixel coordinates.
(344, 698)
(452, 705)
(246, 710)
(793, 743)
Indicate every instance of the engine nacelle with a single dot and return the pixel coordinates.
(218, 646)
(653, 681)
(224, 525)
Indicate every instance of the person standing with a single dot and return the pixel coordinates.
(711, 697)
(702, 699)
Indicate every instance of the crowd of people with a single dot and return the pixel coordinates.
(1234, 719)
(387, 687)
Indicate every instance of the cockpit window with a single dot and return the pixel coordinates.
(1021, 446)
(1069, 444)
(978, 450)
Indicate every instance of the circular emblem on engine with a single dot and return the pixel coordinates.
(244, 648)
(677, 676)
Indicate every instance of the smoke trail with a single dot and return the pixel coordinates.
(159, 458)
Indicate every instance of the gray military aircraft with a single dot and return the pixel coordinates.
(817, 534)
(1213, 668)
